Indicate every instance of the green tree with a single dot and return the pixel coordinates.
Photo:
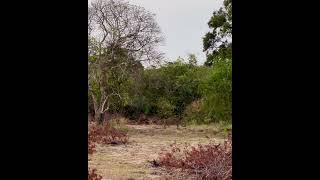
(174, 85)
(218, 42)
(109, 80)
(121, 37)
(217, 92)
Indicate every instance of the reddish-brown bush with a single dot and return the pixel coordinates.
(92, 174)
(91, 143)
(105, 134)
(205, 161)
(102, 134)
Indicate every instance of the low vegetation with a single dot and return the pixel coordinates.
(106, 134)
(121, 82)
(103, 134)
(211, 161)
(134, 92)
(92, 174)
(147, 142)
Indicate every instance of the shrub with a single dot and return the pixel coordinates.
(131, 112)
(103, 134)
(106, 134)
(205, 161)
(165, 108)
(92, 174)
(194, 113)
(217, 92)
(91, 143)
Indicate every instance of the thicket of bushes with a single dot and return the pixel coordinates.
(198, 94)
(119, 83)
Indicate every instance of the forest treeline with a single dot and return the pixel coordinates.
(127, 75)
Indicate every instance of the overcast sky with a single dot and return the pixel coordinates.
(183, 24)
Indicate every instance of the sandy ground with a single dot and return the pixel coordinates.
(145, 143)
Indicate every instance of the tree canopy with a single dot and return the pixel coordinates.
(218, 42)
(122, 37)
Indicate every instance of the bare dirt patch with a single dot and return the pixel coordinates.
(131, 161)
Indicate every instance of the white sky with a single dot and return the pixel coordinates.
(183, 24)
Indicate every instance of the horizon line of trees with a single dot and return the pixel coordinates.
(124, 37)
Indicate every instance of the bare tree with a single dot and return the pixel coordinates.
(118, 24)
(121, 36)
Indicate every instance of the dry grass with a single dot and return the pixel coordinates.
(145, 143)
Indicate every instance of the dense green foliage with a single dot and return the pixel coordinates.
(218, 42)
(118, 83)
(166, 91)
(199, 94)
(218, 92)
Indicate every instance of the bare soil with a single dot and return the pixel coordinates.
(131, 161)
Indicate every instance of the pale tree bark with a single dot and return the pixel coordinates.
(114, 26)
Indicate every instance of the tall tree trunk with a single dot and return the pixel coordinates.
(99, 117)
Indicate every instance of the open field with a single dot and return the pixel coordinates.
(145, 143)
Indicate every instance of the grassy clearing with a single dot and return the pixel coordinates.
(145, 143)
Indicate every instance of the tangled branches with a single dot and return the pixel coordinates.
(205, 161)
